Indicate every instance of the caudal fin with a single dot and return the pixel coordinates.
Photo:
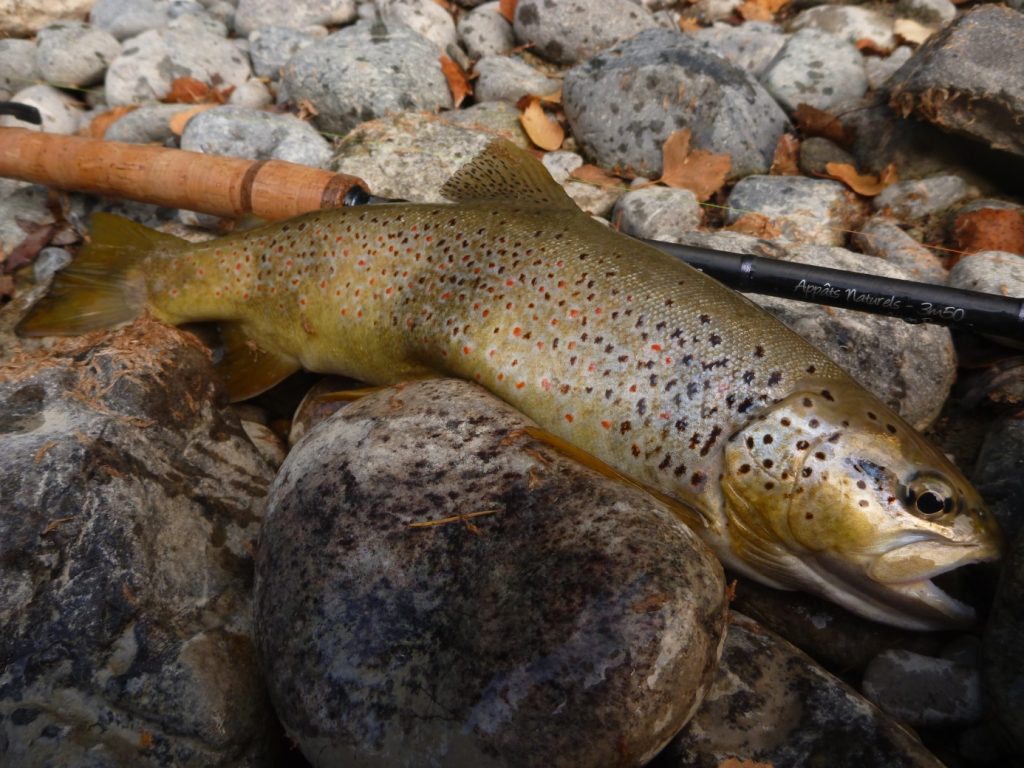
(100, 288)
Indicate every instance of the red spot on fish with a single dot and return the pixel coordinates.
(606, 424)
(664, 416)
(571, 345)
(668, 361)
(592, 367)
(656, 347)
(520, 384)
(517, 331)
(509, 283)
(492, 353)
(574, 313)
(632, 387)
(486, 312)
(466, 350)
(597, 310)
(545, 384)
(568, 417)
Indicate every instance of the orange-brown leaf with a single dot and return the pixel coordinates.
(911, 31)
(861, 183)
(543, 131)
(180, 120)
(784, 162)
(689, 24)
(99, 125)
(990, 229)
(761, 10)
(187, 90)
(591, 174)
(868, 46)
(458, 82)
(757, 225)
(507, 8)
(817, 122)
(737, 762)
(699, 171)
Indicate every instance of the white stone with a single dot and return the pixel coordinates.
(59, 111)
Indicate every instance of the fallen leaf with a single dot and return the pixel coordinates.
(446, 5)
(689, 24)
(756, 225)
(555, 97)
(990, 229)
(180, 120)
(699, 171)
(27, 250)
(458, 82)
(99, 125)
(145, 740)
(861, 183)
(543, 131)
(760, 10)
(6, 286)
(307, 110)
(739, 762)
(817, 122)
(869, 47)
(591, 174)
(507, 8)
(911, 31)
(187, 90)
(784, 162)
(53, 525)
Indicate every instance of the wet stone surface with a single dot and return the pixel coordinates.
(128, 510)
(564, 620)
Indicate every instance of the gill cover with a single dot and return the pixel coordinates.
(831, 492)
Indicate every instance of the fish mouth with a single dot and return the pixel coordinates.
(921, 602)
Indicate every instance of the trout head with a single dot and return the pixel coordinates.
(830, 492)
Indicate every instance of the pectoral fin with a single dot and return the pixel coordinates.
(246, 368)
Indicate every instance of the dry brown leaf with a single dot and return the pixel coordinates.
(555, 97)
(990, 229)
(307, 110)
(458, 82)
(689, 24)
(911, 31)
(699, 171)
(861, 183)
(180, 120)
(757, 225)
(38, 235)
(784, 162)
(591, 174)
(187, 90)
(543, 131)
(817, 122)
(761, 10)
(99, 125)
(869, 47)
(507, 8)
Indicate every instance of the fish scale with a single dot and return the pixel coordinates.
(611, 345)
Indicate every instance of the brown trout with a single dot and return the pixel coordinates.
(799, 477)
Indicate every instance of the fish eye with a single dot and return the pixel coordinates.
(929, 497)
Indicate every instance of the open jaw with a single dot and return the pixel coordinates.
(913, 603)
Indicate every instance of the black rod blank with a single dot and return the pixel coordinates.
(906, 299)
(23, 112)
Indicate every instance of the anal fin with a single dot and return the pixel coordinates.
(246, 368)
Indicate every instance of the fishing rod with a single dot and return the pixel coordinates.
(911, 301)
(906, 299)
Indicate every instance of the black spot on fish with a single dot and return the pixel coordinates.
(624, 427)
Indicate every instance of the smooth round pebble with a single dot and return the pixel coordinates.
(853, 23)
(566, 620)
(816, 153)
(750, 46)
(259, 14)
(422, 16)
(816, 68)
(74, 53)
(270, 48)
(48, 262)
(59, 111)
(657, 213)
(149, 124)
(238, 132)
(917, 198)
(568, 31)
(503, 78)
(995, 272)
(17, 66)
(252, 94)
(485, 32)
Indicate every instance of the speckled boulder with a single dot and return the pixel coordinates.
(568, 31)
(129, 505)
(434, 587)
(624, 103)
(238, 132)
(772, 705)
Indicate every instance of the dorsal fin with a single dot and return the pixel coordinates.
(505, 172)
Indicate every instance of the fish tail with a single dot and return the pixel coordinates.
(103, 286)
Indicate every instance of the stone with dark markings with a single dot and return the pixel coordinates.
(565, 620)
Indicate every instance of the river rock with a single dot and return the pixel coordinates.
(771, 705)
(150, 62)
(17, 67)
(969, 78)
(880, 236)
(1004, 647)
(569, 31)
(422, 16)
(880, 68)
(485, 32)
(816, 153)
(853, 23)
(271, 48)
(126, 559)
(924, 690)
(410, 156)
(816, 68)
(23, 18)
(236, 132)
(990, 272)
(150, 123)
(750, 46)
(23, 209)
(74, 53)
(918, 198)
(59, 111)
(127, 18)
(258, 14)
(803, 210)
(563, 620)
(999, 470)
(365, 71)
(657, 213)
(624, 103)
(595, 199)
(893, 370)
(502, 78)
